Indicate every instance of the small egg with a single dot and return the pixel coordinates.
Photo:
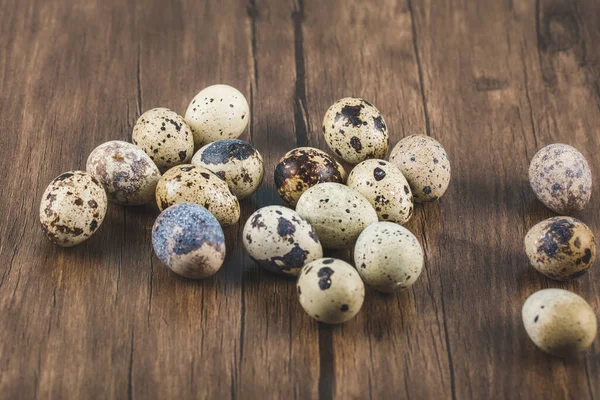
(217, 112)
(194, 184)
(388, 257)
(561, 178)
(355, 130)
(279, 240)
(559, 322)
(425, 165)
(165, 137)
(235, 161)
(383, 184)
(561, 248)
(128, 175)
(338, 214)
(189, 240)
(72, 208)
(302, 168)
(330, 290)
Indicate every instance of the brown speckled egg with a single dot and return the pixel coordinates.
(194, 184)
(355, 130)
(72, 208)
(559, 322)
(383, 184)
(330, 290)
(425, 165)
(235, 161)
(165, 137)
(561, 178)
(302, 168)
(128, 175)
(561, 248)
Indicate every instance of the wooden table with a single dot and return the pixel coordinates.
(493, 81)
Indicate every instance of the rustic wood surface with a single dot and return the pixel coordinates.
(493, 81)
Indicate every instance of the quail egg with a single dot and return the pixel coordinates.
(194, 184)
(128, 175)
(561, 178)
(561, 248)
(338, 214)
(72, 208)
(235, 161)
(559, 322)
(425, 165)
(217, 112)
(388, 257)
(165, 137)
(305, 167)
(189, 240)
(330, 290)
(383, 184)
(279, 240)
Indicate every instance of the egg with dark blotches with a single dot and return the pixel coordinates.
(561, 248)
(383, 184)
(561, 178)
(235, 161)
(559, 322)
(189, 240)
(194, 184)
(72, 209)
(355, 130)
(279, 240)
(125, 171)
(425, 165)
(330, 290)
(302, 168)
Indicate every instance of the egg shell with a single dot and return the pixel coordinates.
(559, 322)
(165, 137)
(279, 240)
(125, 171)
(217, 112)
(561, 178)
(338, 214)
(561, 248)
(72, 209)
(425, 165)
(235, 161)
(388, 257)
(330, 290)
(302, 168)
(383, 184)
(194, 184)
(189, 240)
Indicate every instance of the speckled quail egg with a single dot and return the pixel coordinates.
(561, 248)
(338, 214)
(302, 168)
(235, 161)
(72, 208)
(383, 184)
(425, 165)
(559, 322)
(194, 184)
(330, 290)
(189, 240)
(217, 112)
(561, 178)
(279, 240)
(355, 130)
(388, 257)
(128, 175)
(165, 137)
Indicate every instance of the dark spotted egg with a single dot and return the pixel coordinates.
(279, 240)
